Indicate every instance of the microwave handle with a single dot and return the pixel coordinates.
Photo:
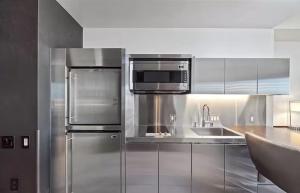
(131, 75)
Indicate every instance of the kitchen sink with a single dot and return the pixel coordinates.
(214, 131)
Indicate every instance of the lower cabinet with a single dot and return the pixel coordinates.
(207, 168)
(175, 168)
(142, 168)
(240, 172)
(192, 168)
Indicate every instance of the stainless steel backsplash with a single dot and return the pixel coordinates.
(233, 110)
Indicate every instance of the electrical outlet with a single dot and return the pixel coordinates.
(251, 119)
(7, 142)
(14, 184)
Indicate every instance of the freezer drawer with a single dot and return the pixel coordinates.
(94, 163)
(95, 96)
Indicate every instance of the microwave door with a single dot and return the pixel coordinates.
(94, 96)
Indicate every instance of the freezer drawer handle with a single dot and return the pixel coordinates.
(113, 136)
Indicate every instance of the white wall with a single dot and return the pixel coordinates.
(289, 49)
(199, 42)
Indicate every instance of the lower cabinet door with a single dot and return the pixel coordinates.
(142, 168)
(240, 172)
(175, 168)
(94, 163)
(207, 168)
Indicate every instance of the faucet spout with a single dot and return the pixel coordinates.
(207, 119)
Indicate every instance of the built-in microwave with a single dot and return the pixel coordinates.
(160, 74)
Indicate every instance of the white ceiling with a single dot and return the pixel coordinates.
(181, 13)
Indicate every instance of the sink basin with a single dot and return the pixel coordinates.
(215, 131)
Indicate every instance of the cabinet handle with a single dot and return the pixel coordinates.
(113, 136)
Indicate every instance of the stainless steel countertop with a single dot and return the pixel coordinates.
(282, 136)
(190, 137)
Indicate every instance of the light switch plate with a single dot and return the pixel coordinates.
(25, 142)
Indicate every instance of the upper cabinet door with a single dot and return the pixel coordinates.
(208, 76)
(241, 76)
(273, 76)
(95, 96)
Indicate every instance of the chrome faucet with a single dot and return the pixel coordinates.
(207, 120)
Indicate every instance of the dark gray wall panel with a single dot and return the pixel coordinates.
(18, 88)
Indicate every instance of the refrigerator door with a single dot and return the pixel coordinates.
(95, 96)
(94, 163)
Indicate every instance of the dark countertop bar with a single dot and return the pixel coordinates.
(277, 135)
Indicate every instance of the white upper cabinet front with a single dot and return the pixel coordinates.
(240, 76)
(208, 76)
(273, 76)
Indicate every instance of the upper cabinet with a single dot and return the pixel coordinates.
(208, 76)
(251, 76)
(273, 76)
(241, 76)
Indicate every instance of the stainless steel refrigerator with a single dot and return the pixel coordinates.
(87, 109)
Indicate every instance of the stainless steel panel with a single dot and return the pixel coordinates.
(96, 162)
(269, 189)
(91, 57)
(58, 145)
(141, 168)
(95, 96)
(207, 168)
(208, 76)
(273, 76)
(241, 76)
(240, 172)
(175, 168)
(155, 110)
